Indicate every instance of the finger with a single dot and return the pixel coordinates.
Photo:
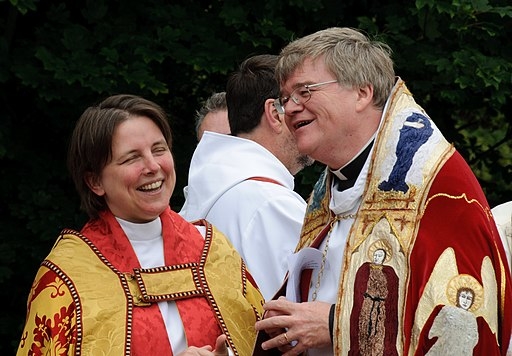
(290, 351)
(207, 348)
(278, 341)
(286, 340)
(284, 349)
(280, 304)
(221, 347)
(275, 322)
(270, 313)
(274, 332)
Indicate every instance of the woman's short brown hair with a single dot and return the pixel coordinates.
(90, 148)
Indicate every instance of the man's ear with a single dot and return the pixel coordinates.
(364, 97)
(94, 183)
(274, 120)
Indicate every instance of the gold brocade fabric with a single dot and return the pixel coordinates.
(390, 216)
(79, 304)
(422, 271)
(81, 324)
(386, 217)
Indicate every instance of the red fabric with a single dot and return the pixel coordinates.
(200, 323)
(149, 335)
(52, 330)
(471, 241)
(264, 179)
(305, 277)
(387, 316)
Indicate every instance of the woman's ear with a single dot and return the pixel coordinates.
(94, 184)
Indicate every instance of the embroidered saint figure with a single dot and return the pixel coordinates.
(373, 321)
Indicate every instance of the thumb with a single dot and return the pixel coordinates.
(221, 347)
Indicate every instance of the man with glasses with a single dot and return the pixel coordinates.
(391, 180)
(243, 183)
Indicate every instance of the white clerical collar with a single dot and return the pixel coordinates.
(338, 172)
(142, 231)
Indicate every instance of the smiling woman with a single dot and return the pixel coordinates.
(139, 180)
(137, 279)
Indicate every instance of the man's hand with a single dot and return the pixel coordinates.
(295, 327)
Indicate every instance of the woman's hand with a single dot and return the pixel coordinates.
(221, 349)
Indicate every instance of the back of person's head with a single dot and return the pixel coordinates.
(247, 90)
(352, 57)
(90, 148)
(216, 102)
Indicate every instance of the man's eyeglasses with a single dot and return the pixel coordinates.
(299, 96)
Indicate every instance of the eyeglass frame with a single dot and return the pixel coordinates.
(280, 102)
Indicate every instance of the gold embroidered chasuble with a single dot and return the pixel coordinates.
(80, 303)
(416, 183)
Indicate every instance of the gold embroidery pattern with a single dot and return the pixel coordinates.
(155, 283)
(380, 245)
(131, 301)
(239, 328)
(465, 281)
(203, 282)
(391, 215)
(76, 301)
(120, 338)
(456, 197)
(317, 217)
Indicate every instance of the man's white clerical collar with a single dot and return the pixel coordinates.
(351, 169)
(338, 174)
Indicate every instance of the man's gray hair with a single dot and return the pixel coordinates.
(353, 58)
(216, 102)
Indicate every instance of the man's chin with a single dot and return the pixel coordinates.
(305, 160)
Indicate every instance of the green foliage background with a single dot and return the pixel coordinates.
(57, 57)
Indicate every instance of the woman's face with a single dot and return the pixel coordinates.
(138, 182)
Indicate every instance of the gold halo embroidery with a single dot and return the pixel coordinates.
(465, 282)
(381, 245)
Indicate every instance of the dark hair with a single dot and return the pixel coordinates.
(90, 148)
(247, 90)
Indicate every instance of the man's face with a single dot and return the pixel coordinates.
(294, 160)
(215, 121)
(326, 126)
